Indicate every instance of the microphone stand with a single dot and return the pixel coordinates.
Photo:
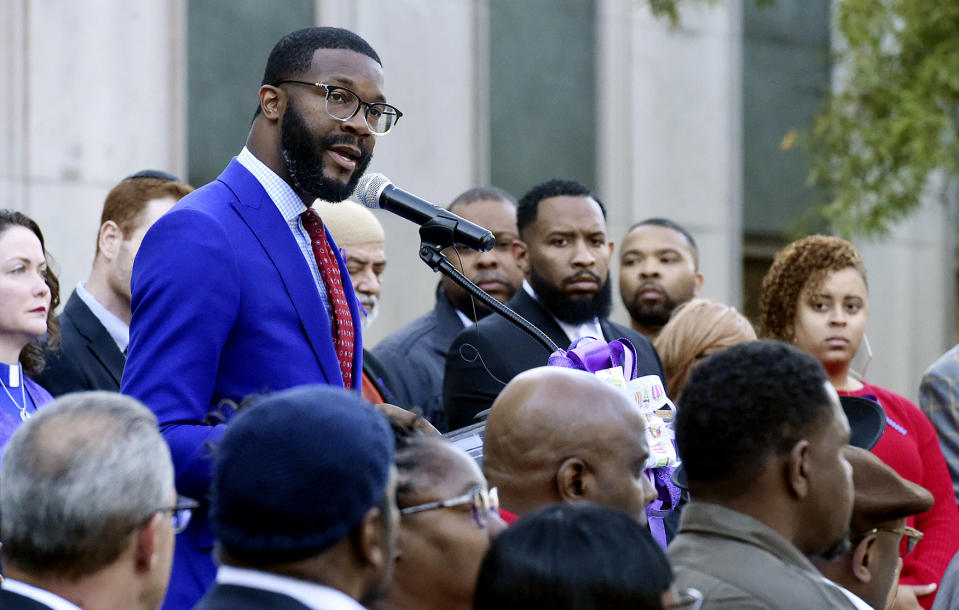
(436, 235)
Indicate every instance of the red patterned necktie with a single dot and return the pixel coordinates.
(336, 297)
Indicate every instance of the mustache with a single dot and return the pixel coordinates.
(649, 284)
(332, 139)
(492, 275)
(582, 275)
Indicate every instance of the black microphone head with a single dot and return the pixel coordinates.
(369, 189)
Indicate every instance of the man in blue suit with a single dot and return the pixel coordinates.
(239, 290)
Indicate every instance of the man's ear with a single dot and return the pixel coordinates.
(798, 469)
(698, 280)
(863, 558)
(370, 544)
(272, 102)
(146, 542)
(573, 480)
(520, 252)
(109, 239)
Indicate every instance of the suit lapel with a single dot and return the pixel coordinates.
(268, 226)
(98, 339)
(534, 312)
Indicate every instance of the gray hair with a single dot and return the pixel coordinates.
(77, 479)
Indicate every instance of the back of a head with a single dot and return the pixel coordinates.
(538, 417)
(697, 329)
(126, 202)
(295, 472)
(576, 557)
(76, 481)
(350, 223)
(743, 406)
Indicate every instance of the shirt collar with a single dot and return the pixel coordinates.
(54, 601)
(286, 200)
(118, 329)
(313, 595)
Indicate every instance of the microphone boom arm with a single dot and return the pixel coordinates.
(436, 235)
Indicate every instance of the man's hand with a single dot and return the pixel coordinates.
(907, 596)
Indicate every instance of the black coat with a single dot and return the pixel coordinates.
(235, 597)
(14, 601)
(471, 384)
(88, 359)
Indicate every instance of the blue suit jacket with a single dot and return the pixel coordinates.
(224, 307)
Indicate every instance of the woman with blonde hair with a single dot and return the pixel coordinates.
(815, 297)
(695, 330)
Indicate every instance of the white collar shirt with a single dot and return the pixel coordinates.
(118, 330)
(313, 595)
(55, 602)
(589, 328)
(290, 206)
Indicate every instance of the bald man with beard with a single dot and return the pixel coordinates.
(561, 435)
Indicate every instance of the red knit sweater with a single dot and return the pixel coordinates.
(910, 446)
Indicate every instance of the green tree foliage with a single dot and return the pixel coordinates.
(892, 120)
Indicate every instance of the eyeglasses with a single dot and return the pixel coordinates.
(481, 501)
(912, 536)
(342, 104)
(180, 514)
(686, 599)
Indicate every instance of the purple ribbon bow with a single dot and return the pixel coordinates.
(592, 354)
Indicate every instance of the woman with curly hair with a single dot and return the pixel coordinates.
(814, 296)
(29, 294)
(695, 330)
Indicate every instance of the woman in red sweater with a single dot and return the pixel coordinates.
(814, 296)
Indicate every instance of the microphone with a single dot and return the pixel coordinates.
(377, 192)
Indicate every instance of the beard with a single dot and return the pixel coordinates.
(652, 313)
(304, 159)
(370, 310)
(568, 309)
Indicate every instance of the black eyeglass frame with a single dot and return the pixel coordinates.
(488, 498)
(389, 108)
(180, 513)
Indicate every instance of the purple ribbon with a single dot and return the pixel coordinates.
(592, 354)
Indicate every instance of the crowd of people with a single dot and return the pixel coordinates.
(236, 445)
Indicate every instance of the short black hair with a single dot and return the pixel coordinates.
(669, 224)
(481, 193)
(744, 405)
(293, 54)
(557, 187)
(575, 557)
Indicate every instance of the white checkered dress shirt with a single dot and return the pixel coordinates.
(290, 206)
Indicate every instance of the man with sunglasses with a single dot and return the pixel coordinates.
(89, 510)
(878, 535)
(240, 289)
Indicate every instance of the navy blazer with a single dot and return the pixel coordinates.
(224, 307)
(88, 358)
(236, 597)
(14, 601)
(471, 384)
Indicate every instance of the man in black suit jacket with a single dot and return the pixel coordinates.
(95, 323)
(565, 252)
(89, 508)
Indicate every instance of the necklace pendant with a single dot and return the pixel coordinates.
(24, 415)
